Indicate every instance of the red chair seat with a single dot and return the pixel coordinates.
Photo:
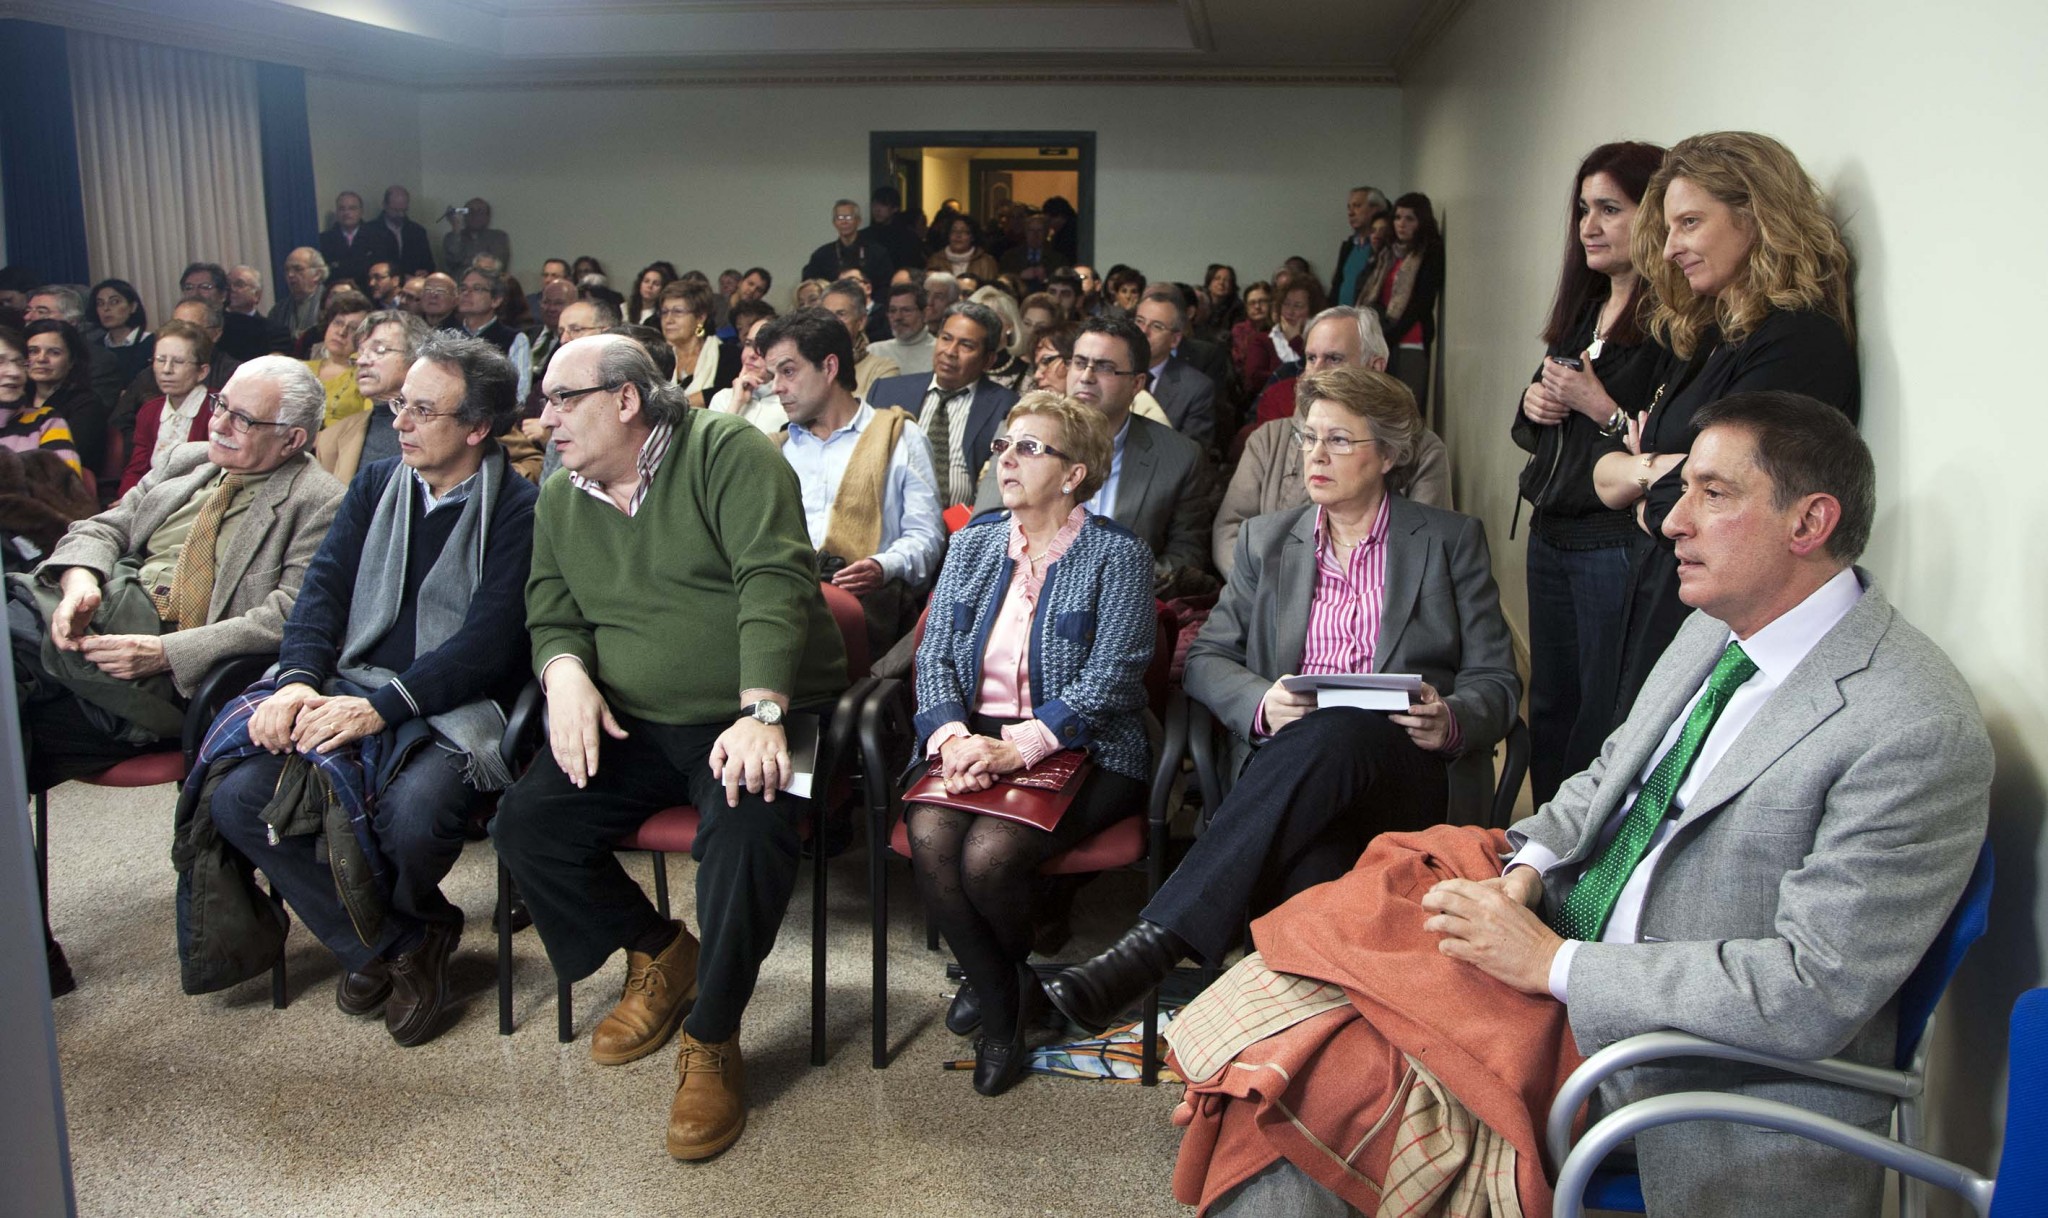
(148, 770)
(674, 831)
(1120, 845)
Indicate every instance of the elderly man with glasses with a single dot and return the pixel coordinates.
(305, 277)
(386, 343)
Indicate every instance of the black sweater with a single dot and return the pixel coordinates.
(1558, 480)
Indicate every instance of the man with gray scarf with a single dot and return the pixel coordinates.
(408, 637)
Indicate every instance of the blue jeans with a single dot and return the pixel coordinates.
(419, 823)
(1576, 607)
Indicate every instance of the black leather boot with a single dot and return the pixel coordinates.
(1095, 993)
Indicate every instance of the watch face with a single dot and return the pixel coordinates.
(766, 711)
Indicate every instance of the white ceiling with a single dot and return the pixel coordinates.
(467, 43)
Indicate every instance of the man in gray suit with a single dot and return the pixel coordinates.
(118, 626)
(1186, 393)
(1764, 850)
(1160, 485)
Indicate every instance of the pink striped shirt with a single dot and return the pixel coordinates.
(1344, 616)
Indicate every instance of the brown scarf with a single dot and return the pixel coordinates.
(855, 529)
(1409, 263)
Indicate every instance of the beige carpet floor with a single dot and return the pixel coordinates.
(220, 1105)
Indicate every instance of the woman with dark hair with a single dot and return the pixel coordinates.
(514, 311)
(127, 338)
(1121, 290)
(333, 360)
(1598, 369)
(684, 315)
(60, 379)
(1750, 284)
(24, 426)
(643, 301)
(962, 254)
(1248, 338)
(585, 265)
(1403, 283)
(1221, 307)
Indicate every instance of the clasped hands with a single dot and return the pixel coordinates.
(1560, 390)
(1427, 720)
(973, 763)
(129, 657)
(300, 718)
(1492, 925)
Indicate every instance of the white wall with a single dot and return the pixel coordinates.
(712, 177)
(1922, 135)
(366, 136)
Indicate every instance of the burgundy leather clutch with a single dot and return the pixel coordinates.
(1038, 796)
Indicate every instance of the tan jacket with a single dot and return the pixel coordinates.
(253, 591)
(339, 446)
(1268, 479)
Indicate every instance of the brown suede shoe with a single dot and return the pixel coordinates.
(657, 996)
(710, 1108)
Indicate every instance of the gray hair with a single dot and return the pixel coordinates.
(1375, 198)
(942, 281)
(301, 400)
(621, 362)
(70, 301)
(216, 313)
(314, 258)
(255, 272)
(412, 326)
(494, 280)
(490, 386)
(1372, 341)
(981, 315)
(1166, 293)
(1005, 307)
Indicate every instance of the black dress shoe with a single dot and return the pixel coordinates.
(998, 1064)
(419, 986)
(521, 917)
(61, 980)
(964, 1015)
(1094, 994)
(363, 993)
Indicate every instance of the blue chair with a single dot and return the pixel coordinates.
(1604, 1189)
(2020, 1188)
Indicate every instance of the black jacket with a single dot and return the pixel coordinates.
(415, 247)
(373, 243)
(1558, 479)
(831, 260)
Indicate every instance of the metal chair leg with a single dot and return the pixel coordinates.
(878, 907)
(43, 851)
(818, 942)
(504, 950)
(661, 883)
(279, 989)
(1148, 1060)
(565, 1021)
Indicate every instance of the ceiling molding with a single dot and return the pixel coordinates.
(591, 79)
(1438, 16)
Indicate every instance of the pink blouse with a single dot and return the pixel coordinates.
(1005, 691)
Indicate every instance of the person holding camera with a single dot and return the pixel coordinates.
(871, 500)
(469, 234)
(1599, 369)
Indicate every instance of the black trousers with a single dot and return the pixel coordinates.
(559, 841)
(1302, 812)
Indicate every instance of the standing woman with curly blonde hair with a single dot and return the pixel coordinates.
(1751, 291)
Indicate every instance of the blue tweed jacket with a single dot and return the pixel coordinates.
(1092, 634)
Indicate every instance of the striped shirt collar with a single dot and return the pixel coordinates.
(1375, 537)
(651, 453)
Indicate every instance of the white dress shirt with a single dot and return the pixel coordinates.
(913, 536)
(1104, 502)
(1776, 650)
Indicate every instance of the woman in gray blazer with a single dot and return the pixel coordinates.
(1359, 580)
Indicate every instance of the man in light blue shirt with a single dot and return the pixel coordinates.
(871, 500)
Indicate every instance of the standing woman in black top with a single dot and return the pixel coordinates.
(1751, 284)
(1567, 419)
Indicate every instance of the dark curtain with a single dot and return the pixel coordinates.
(288, 199)
(39, 154)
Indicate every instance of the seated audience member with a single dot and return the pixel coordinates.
(1251, 344)
(207, 319)
(848, 250)
(552, 270)
(672, 523)
(242, 335)
(1033, 262)
(556, 295)
(1008, 369)
(183, 409)
(470, 235)
(1050, 350)
(514, 311)
(684, 315)
(334, 361)
(305, 280)
(1187, 395)
(941, 293)
(584, 267)
(1269, 474)
(24, 426)
(76, 305)
(962, 255)
(1065, 289)
(871, 502)
(889, 228)
(643, 304)
(1037, 311)
(408, 295)
(125, 342)
(410, 632)
(957, 408)
(15, 284)
(753, 289)
(384, 282)
(910, 344)
(1359, 580)
(60, 382)
(479, 293)
(847, 300)
(1300, 301)
(752, 393)
(245, 291)
(1160, 483)
(810, 293)
(1004, 681)
(386, 343)
(1122, 289)
(415, 247)
(142, 599)
(875, 318)
(438, 296)
(351, 246)
(1714, 872)
(1222, 307)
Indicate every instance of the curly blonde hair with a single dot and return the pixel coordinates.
(1084, 435)
(1799, 260)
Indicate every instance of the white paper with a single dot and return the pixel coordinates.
(801, 731)
(1380, 691)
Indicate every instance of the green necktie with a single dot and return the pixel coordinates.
(1586, 910)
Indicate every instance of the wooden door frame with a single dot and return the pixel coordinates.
(1082, 142)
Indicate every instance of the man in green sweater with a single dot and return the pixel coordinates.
(676, 620)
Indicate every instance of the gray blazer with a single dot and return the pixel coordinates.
(1188, 397)
(274, 541)
(1166, 494)
(1440, 618)
(1802, 884)
(1268, 479)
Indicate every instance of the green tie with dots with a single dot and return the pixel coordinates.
(1586, 910)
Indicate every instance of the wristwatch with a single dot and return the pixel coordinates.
(766, 710)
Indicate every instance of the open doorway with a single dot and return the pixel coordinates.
(997, 179)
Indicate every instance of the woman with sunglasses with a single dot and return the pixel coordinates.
(1358, 580)
(1037, 640)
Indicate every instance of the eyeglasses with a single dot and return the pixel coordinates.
(1026, 446)
(475, 287)
(1100, 367)
(573, 332)
(400, 408)
(173, 361)
(1047, 360)
(677, 313)
(377, 351)
(242, 423)
(1338, 445)
(1153, 325)
(561, 398)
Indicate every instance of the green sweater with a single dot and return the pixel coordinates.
(710, 589)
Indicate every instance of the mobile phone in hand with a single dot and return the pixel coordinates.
(1572, 362)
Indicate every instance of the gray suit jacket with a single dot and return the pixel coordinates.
(1188, 396)
(274, 541)
(1268, 479)
(1440, 618)
(1166, 494)
(1802, 884)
